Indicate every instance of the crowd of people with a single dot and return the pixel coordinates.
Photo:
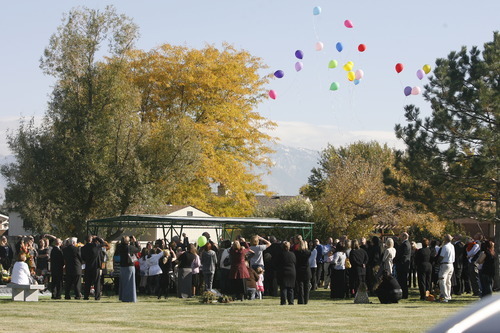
(261, 267)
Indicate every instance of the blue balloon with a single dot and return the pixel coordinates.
(407, 91)
(317, 10)
(279, 74)
(299, 54)
(356, 82)
(339, 47)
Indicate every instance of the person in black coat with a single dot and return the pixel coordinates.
(423, 263)
(303, 272)
(403, 256)
(358, 258)
(73, 264)
(271, 261)
(6, 253)
(286, 274)
(458, 265)
(56, 269)
(389, 291)
(374, 252)
(92, 255)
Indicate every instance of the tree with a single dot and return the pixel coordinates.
(453, 155)
(212, 93)
(349, 195)
(92, 156)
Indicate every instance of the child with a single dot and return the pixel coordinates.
(260, 282)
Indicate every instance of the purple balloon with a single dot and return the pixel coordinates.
(279, 74)
(407, 91)
(299, 54)
(420, 74)
(298, 66)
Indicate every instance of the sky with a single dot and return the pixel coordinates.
(308, 113)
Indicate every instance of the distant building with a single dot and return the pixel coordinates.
(4, 224)
(266, 203)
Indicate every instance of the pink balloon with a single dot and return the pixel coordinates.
(273, 94)
(319, 46)
(359, 74)
(298, 66)
(415, 90)
(420, 74)
(348, 24)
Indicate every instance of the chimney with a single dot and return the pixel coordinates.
(221, 190)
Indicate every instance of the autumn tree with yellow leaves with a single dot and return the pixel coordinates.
(349, 195)
(211, 94)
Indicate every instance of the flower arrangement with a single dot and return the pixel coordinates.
(5, 275)
(209, 297)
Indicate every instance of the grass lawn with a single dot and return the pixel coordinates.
(189, 315)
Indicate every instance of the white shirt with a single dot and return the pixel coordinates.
(338, 260)
(312, 259)
(448, 253)
(473, 251)
(153, 264)
(20, 273)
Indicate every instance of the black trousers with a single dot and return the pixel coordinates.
(402, 277)
(424, 280)
(92, 277)
(75, 282)
(319, 274)
(286, 295)
(303, 292)
(57, 285)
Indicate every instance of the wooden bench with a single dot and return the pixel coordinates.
(25, 292)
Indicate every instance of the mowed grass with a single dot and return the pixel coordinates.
(189, 315)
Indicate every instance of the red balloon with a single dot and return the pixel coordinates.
(399, 67)
(361, 47)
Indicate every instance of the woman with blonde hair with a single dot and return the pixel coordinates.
(303, 272)
(388, 257)
(239, 271)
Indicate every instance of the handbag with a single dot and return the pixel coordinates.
(348, 263)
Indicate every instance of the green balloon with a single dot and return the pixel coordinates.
(202, 240)
(332, 64)
(334, 86)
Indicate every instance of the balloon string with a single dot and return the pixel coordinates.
(315, 30)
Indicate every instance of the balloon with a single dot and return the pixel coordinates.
(298, 66)
(279, 74)
(202, 240)
(356, 82)
(273, 94)
(351, 63)
(334, 86)
(332, 64)
(348, 24)
(319, 46)
(415, 90)
(427, 69)
(299, 54)
(361, 47)
(420, 74)
(316, 10)
(348, 67)
(351, 76)
(407, 91)
(339, 47)
(359, 74)
(399, 67)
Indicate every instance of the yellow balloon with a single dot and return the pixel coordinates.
(351, 63)
(351, 76)
(347, 67)
(427, 69)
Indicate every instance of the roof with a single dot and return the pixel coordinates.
(266, 202)
(155, 221)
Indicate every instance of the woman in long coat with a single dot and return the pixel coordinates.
(424, 268)
(286, 274)
(185, 273)
(358, 258)
(126, 249)
(239, 270)
(303, 272)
